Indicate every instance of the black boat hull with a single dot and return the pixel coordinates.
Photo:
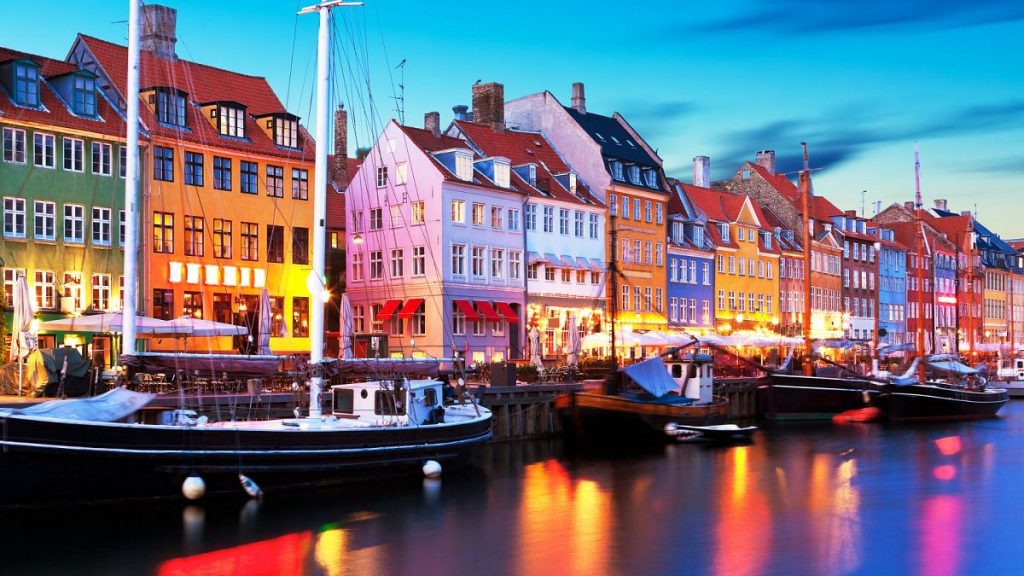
(609, 419)
(47, 461)
(940, 402)
(799, 397)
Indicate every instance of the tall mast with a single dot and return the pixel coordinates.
(316, 282)
(805, 198)
(613, 272)
(131, 184)
(920, 265)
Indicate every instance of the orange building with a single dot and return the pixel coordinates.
(227, 207)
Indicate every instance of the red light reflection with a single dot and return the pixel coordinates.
(949, 445)
(282, 556)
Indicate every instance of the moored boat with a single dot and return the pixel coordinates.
(953, 391)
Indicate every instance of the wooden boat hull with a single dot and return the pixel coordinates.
(606, 418)
(51, 461)
(940, 402)
(799, 397)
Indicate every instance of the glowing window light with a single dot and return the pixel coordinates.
(245, 279)
(174, 272)
(259, 279)
(230, 276)
(192, 273)
(212, 274)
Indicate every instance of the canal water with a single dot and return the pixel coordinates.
(937, 499)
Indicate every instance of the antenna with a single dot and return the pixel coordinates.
(863, 194)
(400, 99)
(917, 178)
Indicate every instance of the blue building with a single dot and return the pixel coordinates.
(892, 288)
(691, 278)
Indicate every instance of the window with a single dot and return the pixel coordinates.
(300, 245)
(595, 221)
(419, 260)
(513, 220)
(357, 266)
(563, 222)
(73, 288)
(250, 241)
(458, 259)
(193, 169)
(194, 228)
(286, 132)
(221, 171)
(549, 219)
(170, 108)
(231, 121)
(13, 146)
(375, 324)
(617, 170)
(419, 321)
(250, 177)
(275, 181)
(647, 211)
(418, 216)
(549, 273)
(275, 243)
(659, 299)
(26, 84)
(458, 320)
(376, 265)
(122, 165)
(42, 151)
(531, 217)
(638, 300)
(707, 274)
(566, 276)
(163, 163)
(397, 263)
(74, 154)
(463, 166)
(625, 208)
(496, 212)
(45, 220)
(74, 223)
(14, 217)
(401, 173)
(101, 291)
(376, 218)
(501, 174)
(634, 174)
(101, 226)
(163, 304)
(46, 289)
(636, 210)
(515, 265)
(497, 263)
(478, 214)
(382, 176)
(459, 211)
(221, 238)
(659, 249)
(578, 223)
(477, 261)
(647, 252)
(532, 271)
(624, 304)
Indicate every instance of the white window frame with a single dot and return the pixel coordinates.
(104, 166)
(44, 216)
(15, 218)
(14, 145)
(48, 144)
(74, 154)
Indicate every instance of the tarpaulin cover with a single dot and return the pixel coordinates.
(652, 375)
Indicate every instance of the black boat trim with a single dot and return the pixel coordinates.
(1001, 400)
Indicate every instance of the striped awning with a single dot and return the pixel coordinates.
(410, 308)
(506, 310)
(487, 311)
(466, 308)
(388, 310)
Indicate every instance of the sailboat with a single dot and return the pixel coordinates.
(111, 447)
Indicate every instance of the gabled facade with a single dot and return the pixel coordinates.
(892, 287)
(563, 224)
(436, 259)
(622, 171)
(860, 275)
(62, 186)
(227, 209)
(691, 259)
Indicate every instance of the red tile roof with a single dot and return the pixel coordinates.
(821, 207)
(426, 141)
(54, 112)
(724, 207)
(521, 148)
(203, 84)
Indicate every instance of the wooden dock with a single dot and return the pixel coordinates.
(527, 411)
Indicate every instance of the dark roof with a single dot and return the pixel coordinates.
(614, 139)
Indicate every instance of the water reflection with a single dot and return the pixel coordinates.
(743, 532)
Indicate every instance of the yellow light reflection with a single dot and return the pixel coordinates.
(330, 550)
(742, 511)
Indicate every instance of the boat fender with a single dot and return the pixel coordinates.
(251, 488)
(432, 469)
(193, 487)
(297, 411)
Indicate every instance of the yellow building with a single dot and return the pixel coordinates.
(227, 208)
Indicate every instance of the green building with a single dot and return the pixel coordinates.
(62, 184)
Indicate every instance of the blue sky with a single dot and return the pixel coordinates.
(859, 80)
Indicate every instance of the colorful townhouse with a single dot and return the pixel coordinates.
(340, 168)
(62, 180)
(227, 208)
(563, 222)
(860, 274)
(436, 252)
(791, 278)
(746, 261)
(624, 172)
(691, 258)
(891, 321)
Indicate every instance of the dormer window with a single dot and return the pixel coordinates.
(501, 174)
(572, 183)
(26, 84)
(617, 170)
(170, 107)
(767, 238)
(231, 120)
(634, 174)
(463, 166)
(698, 236)
(84, 100)
(286, 131)
(724, 230)
(531, 171)
(652, 177)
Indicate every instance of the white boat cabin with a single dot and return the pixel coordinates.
(695, 375)
(397, 402)
(1011, 369)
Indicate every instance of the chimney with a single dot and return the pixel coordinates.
(909, 205)
(432, 123)
(339, 169)
(579, 99)
(941, 204)
(461, 112)
(489, 105)
(157, 34)
(766, 160)
(702, 171)
(967, 213)
(850, 213)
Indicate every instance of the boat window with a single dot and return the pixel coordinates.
(429, 397)
(363, 393)
(677, 370)
(387, 403)
(344, 400)
(691, 371)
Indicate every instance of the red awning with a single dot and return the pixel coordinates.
(388, 310)
(466, 308)
(487, 311)
(510, 315)
(410, 308)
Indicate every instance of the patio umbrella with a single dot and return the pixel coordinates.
(345, 323)
(23, 341)
(535, 349)
(198, 327)
(112, 322)
(575, 343)
(263, 340)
